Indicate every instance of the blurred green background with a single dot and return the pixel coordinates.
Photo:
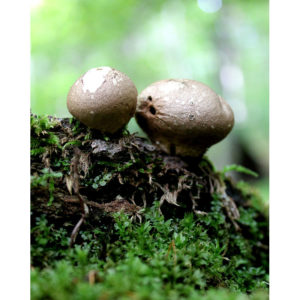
(223, 44)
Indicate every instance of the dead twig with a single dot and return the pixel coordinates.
(84, 208)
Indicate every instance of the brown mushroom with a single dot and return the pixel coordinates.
(183, 117)
(103, 98)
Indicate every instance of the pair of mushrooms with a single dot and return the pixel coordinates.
(181, 117)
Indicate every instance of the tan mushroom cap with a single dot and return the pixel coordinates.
(103, 98)
(183, 117)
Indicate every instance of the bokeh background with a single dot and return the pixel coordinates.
(223, 44)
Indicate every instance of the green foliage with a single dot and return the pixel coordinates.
(190, 258)
(47, 243)
(71, 143)
(111, 169)
(102, 180)
(249, 192)
(240, 169)
(41, 124)
(76, 126)
(118, 167)
(41, 135)
(46, 180)
(206, 163)
(35, 151)
(62, 164)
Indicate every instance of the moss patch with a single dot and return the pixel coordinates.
(158, 227)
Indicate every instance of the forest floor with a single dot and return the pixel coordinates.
(114, 218)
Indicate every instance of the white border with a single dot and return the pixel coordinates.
(285, 149)
(14, 156)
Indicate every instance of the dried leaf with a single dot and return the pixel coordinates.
(84, 163)
(69, 183)
(92, 276)
(120, 204)
(231, 207)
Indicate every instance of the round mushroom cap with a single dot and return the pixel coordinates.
(103, 98)
(183, 117)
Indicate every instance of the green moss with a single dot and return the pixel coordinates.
(71, 143)
(251, 193)
(42, 138)
(177, 257)
(46, 180)
(238, 168)
(157, 259)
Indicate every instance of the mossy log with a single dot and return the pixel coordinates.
(85, 188)
(80, 174)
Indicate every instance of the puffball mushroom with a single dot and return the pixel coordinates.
(103, 98)
(183, 117)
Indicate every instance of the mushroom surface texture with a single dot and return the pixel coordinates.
(183, 117)
(103, 98)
